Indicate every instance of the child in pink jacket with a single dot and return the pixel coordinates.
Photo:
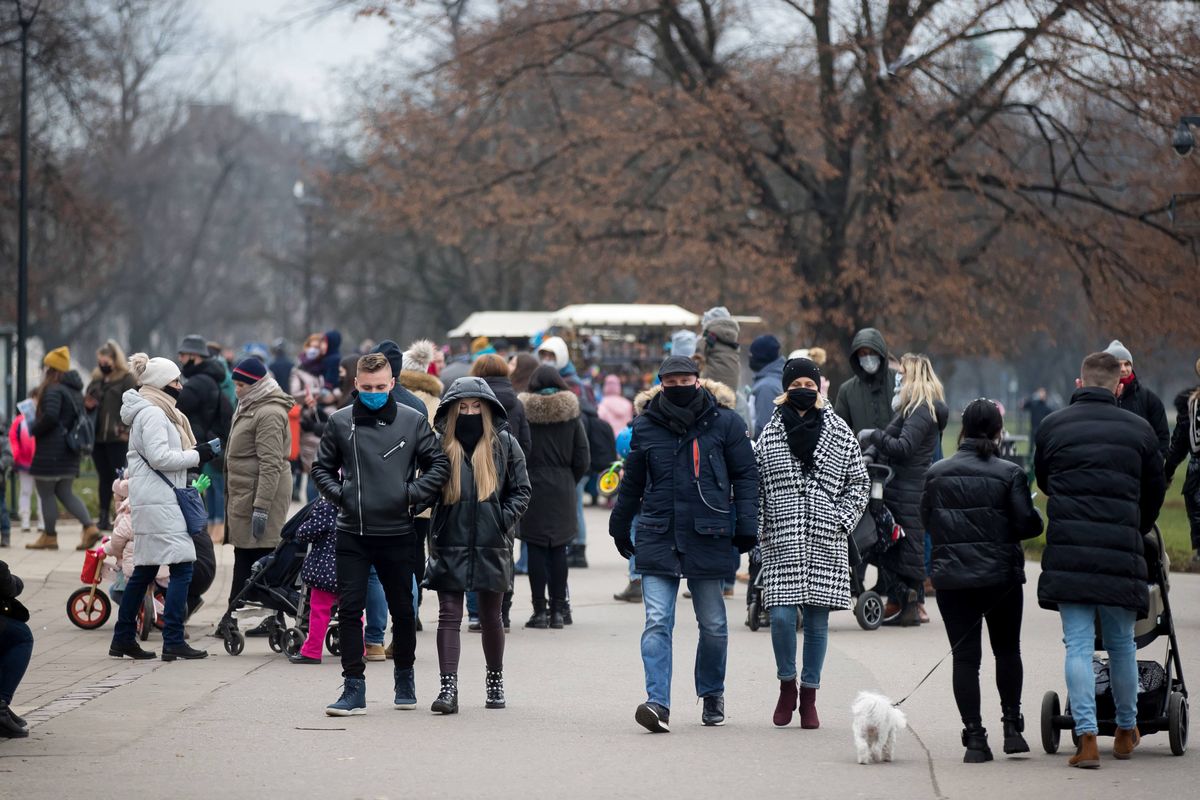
(23, 447)
(120, 544)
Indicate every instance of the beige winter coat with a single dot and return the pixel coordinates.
(257, 474)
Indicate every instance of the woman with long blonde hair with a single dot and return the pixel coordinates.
(907, 446)
(471, 540)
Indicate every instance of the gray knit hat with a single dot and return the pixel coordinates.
(1119, 351)
(683, 343)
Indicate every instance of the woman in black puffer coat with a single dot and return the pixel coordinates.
(472, 529)
(907, 446)
(977, 509)
(558, 458)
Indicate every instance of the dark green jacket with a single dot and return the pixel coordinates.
(865, 401)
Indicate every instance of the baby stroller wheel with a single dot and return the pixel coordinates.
(275, 640)
(333, 641)
(86, 613)
(293, 640)
(146, 617)
(1050, 732)
(869, 610)
(752, 612)
(235, 642)
(1177, 722)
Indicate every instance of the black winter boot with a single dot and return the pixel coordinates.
(1014, 726)
(556, 614)
(447, 699)
(974, 738)
(539, 618)
(577, 558)
(566, 612)
(495, 688)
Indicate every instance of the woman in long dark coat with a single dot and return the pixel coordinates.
(472, 530)
(557, 459)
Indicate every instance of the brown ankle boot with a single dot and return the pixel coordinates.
(1088, 755)
(786, 704)
(1127, 740)
(90, 535)
(809, 720)
(45, 541)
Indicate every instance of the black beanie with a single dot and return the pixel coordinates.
(800, 368)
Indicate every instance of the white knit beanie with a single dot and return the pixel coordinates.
(156, 372)
(1119, 351)
(419, 356)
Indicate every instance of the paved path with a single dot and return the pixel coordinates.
(252, 726)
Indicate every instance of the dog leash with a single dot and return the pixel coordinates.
(955, 646)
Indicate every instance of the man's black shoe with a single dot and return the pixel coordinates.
(186, 652)
(9, 727)
(653, 717)
(131, 649)
(263, 629)
(714, 711)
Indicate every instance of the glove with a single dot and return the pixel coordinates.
(202, 484)
(867, 461)
(206, 452)
(744, 544)
(865, 436)
(258, 523)
(624, 545)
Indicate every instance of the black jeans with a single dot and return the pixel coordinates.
(16, 648)
(243, 560)
(394, 559)
(548, 565)
(108, 458)
(963, 611)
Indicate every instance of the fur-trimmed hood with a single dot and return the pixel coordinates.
(547, 409)
(722, 393)
(421, 382)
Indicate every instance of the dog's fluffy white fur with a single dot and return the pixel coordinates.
(876, 724)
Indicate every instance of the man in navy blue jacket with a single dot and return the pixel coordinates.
(691, 477)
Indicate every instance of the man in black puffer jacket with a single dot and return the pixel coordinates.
(692, 477)
(1102, 470)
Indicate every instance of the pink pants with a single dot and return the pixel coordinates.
(320, 603)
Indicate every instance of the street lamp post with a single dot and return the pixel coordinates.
(23, 210)
(306, 205)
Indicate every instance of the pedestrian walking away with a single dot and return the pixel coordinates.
(558, 458)
(57, 454)
(110, 380)
(1102, 470)
(471, 543)
(378, 460)
(691, 480)
(908, 445)
(20, 437)
(1185, 442)
(162, 449)
(978, 509)
(813, 491)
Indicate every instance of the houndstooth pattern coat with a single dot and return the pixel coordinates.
(804, 520)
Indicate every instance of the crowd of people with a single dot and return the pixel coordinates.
(420, 468)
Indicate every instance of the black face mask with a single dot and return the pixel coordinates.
(173, 391)
(681, 396)
(468, 430)
(106, 368)
(803, 399)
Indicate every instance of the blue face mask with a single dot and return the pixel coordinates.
(373, 400)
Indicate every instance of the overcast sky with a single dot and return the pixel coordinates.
(272, 58)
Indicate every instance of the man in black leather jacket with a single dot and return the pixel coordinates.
(367, 465)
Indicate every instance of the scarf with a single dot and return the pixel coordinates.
(265, 386)
(680, 419)
(803, 433)
(1126, 381)
(164, 401)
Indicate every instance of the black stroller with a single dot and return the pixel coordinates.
(274, 585)
(1162, 702)
(875, 534)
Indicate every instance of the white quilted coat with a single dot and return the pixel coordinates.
(805, 520)
(161, 536)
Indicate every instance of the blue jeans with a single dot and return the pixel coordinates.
(659, 594)
(581, 534)
(215, 496)
(377, 610)
(173, 613)
(16, 648)
(472, 606)
(633, 574)
(522, 565)
(816, 641)
(1079, 636)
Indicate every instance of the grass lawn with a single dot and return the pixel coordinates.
(1172, 521)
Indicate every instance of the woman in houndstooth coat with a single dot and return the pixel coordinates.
(813, 490)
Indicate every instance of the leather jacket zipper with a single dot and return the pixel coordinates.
(357, 480)
(396, 447)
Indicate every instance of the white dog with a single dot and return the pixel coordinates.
(876, 723)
